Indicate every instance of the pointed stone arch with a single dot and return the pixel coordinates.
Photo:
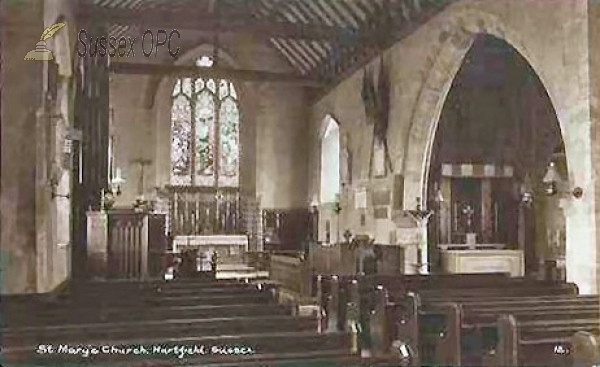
(574, 120)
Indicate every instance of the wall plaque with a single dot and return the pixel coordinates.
(381, 197)
(360, 198)
(381, 212)
(398, 192)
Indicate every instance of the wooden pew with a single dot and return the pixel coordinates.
(225, 316)
(173, 327)
(395, 284)
(475, 319)
(551, 340)
(585, 349)
(93, 302)
(348, 295)
(442, 342)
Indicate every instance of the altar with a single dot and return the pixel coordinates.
(486, 260)
(482, 221)
(223, 245)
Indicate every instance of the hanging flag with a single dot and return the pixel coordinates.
(369, 97)
(383, 103)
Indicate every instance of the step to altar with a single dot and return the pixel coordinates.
(239, 271)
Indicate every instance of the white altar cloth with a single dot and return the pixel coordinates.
(232, 244)
(484, 261)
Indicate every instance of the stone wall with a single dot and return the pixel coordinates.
(35, 225)
(274, 124)
(422, 68)
(22, 27)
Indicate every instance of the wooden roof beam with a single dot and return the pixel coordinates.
(190, 71)
(369, 53)
(209, 23)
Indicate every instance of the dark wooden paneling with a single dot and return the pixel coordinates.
(287, 229)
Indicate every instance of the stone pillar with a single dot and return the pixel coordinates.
(579, 254)
(408, 239)
(591, 256)
(22, 26)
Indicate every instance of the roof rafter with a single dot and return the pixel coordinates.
(191, 71)
(208, 23)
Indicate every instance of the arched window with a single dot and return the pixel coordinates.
(205, 121)
(330, 162)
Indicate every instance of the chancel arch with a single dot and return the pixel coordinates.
(455, 42)
(495, 163)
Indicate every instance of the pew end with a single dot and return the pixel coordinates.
(406, 354)
(448, 349)
(508, 342)
(404, 326)
(585, 349)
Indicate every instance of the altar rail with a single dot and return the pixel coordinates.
(136, 243)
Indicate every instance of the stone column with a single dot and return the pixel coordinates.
(591, 256)
(22, 26)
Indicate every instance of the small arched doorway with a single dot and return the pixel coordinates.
(489, 167)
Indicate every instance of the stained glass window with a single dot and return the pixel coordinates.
(205, 122)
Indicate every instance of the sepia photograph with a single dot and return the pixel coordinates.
(299, 183)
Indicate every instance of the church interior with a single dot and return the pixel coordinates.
(299, 183)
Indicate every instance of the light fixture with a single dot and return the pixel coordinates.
(116, 182)
(526, 192)
(314, 204)
(337, 208)
(551, 180)
(553, 183)
(439, 198)
(54, 179)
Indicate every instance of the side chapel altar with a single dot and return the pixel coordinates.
(476, 227)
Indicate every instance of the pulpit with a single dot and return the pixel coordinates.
(125, 244)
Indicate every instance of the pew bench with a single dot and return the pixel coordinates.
(181, 314)
(470, 329)
(433, 325)
(435, 334)
(175, 327)
(333, 291)
(558, 342)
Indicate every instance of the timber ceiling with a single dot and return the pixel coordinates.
(323, 40)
